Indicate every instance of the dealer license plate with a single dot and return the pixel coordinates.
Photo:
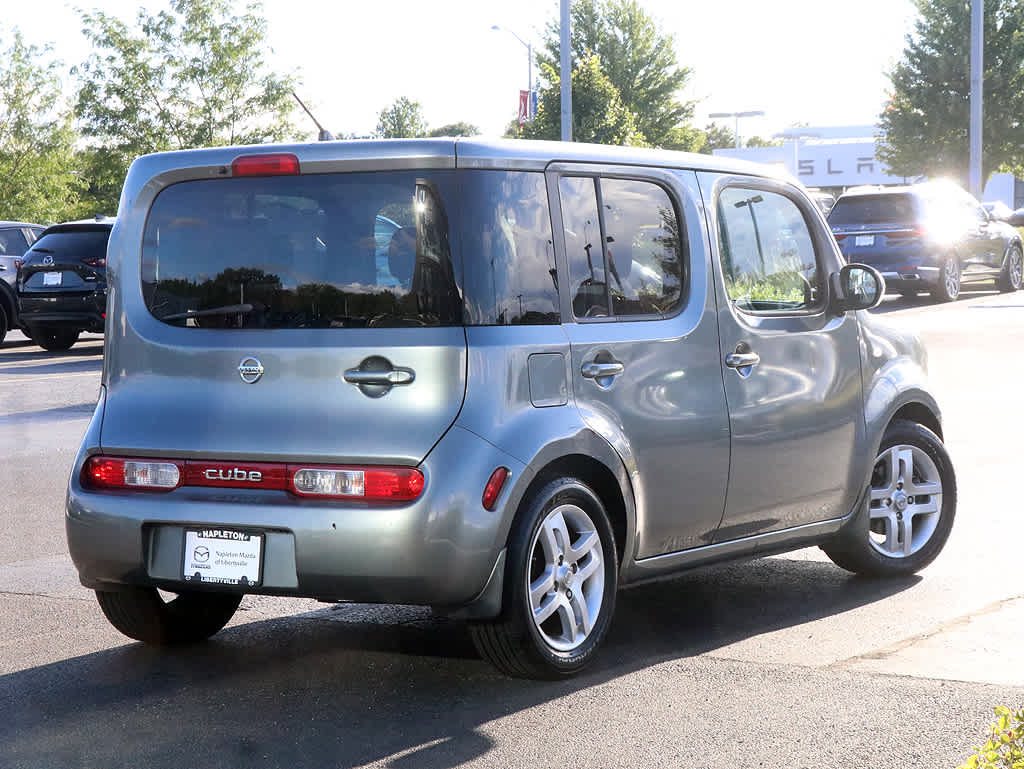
(864, 240)
(223, 556)
(52, 278)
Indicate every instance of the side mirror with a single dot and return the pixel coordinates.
(860, 288)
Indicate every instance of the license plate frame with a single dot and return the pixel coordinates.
(53, 278)
(864, 240)
(223, 556)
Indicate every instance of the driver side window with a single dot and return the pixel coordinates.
(768, 258)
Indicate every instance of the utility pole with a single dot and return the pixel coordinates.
(566, 69)
(977, 87)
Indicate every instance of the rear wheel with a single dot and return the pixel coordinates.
(55, 339)
(560, 584)
(141, 613)
(4, 324)
(948, 287)
(910, 508)
(1012, 276)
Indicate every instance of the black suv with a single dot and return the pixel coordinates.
(62, 283)
(928, 237)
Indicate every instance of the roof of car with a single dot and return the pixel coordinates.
(472, 152)
(931, 189)
(8, 225)
(82, 225)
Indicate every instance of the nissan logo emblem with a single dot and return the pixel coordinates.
(250, 369)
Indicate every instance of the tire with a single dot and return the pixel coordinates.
(948, 287)
(566, 581)
(875, 544)
(140, 613)
(1012, 276)
(55, 339)
(4, 324)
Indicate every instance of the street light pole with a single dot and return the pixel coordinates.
(977, 87)
(738, 115)
(529, 68)
(566, 71)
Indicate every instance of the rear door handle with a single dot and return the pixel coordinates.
(742, 359)
(600, 370)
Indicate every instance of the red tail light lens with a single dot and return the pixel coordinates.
(373, 484)
(841, 237)
(278, 164)
(18, 263)
(397, 484)
(119, 473)
(493, 488)
(95, 261)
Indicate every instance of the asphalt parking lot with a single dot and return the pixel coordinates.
(782, 661)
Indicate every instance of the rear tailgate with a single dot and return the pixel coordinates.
(265, 318)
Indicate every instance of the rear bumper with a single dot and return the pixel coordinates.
(82, 312)
(439, 550)
(922, 277)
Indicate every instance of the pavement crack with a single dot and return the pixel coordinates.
(953, 624)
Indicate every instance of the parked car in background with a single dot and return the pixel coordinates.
(1003, 213)
(15, 238)
(538, 398)
(928, 237)
(824, 200)
(62, 283)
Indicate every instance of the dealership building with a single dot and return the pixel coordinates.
(835, 158)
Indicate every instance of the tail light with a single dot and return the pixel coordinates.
(841, 237)
(120, 473)
(95, 261)
(277, 164)
(380, 484)
(18, 263)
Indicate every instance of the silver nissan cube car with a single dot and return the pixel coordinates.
(498, 378)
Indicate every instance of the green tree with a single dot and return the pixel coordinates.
(760, 141)
(461, 128)
(638, 61)
(924, 128)
(598, 114)
(402, 119)
(717, 137)
(194, 75)
(37, 165)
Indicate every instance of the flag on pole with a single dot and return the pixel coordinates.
(524, 107)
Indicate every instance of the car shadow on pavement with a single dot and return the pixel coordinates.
(895, 302)
(401, 687)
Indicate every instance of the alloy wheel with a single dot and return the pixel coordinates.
(951, 278)
(906, 501)
(565, 583)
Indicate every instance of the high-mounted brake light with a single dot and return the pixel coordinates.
(117, 473)
(277, 164)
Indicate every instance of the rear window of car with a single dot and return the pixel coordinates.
(873, 209)
(77, 244)
(313, 251)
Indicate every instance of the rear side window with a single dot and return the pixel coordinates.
(873, 209)
(12, 243)
(768, 257)
(316, 251)
(624, 245)
(510, 276)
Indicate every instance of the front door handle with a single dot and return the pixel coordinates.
(742, 359)
(600, 370)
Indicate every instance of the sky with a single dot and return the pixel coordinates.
(815, 62)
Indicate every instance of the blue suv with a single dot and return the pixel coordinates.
(929, 237)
